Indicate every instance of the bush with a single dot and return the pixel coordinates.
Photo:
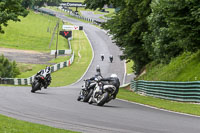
(8, 69)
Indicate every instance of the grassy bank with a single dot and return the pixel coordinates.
(10, 125)
(188, 108)
(71, 74)
(129, 68)
(34, 32)
(183, 68)
(67, 75)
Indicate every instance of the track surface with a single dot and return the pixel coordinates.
(58, 106)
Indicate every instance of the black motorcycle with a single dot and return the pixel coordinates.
(87, 91)
(38, 83)
(111, 59)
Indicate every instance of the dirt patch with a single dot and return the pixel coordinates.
(26, 56)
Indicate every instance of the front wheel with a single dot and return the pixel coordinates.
(102, 100)
(79, 98)
(35, 87)
(87, 97)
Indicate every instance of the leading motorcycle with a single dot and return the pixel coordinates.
(103, 93)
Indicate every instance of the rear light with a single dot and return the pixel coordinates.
(42, 77)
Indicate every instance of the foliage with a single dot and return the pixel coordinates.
(10, 10)
(153, 30)
(8, 69)
(127, 27)
(173, 29)
(185, 67)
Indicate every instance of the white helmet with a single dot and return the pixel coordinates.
(98, 70)
(114, 76)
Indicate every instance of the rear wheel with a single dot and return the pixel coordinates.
(79, 98)
(102, 99)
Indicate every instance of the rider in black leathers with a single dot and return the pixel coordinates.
(98, 75)
(47, 70)
(113, 80)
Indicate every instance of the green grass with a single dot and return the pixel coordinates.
(59, 59)
(129, 66)
(10, 125)
(67, 75)
(31, 33)
(186, 67)
(72, 73)
(28, 70)
(188, 108)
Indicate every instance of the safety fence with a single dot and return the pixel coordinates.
(177, 91)
(29, 80)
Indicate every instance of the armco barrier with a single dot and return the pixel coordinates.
(29, 80)
(178, 91)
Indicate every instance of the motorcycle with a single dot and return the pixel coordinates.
(103, 93)
(38, 83)
(111, 59)
(87, 91)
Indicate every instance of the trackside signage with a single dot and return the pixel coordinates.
(72, 4)
(71, 27)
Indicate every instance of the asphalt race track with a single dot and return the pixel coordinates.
(58, 107)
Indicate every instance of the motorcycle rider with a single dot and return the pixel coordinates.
(102, 57)
(111, 58)
(98, 75)
(47, 75)
(113, 80)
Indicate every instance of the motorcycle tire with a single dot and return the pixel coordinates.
(103, 100)
(90, 100)
(86, 98)
(35, 87)
(79, 98)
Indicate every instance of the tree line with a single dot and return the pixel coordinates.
(153, 30)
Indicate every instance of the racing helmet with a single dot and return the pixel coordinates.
(48, 69)
(98, 70)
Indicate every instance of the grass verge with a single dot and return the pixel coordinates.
(10, 125)
(71, 74)
(34, 32)
(188, 108)
(129, 66)
(67, 75)
(185, 67)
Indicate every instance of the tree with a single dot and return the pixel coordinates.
(10, 10)
(8, 69)
(127, 28)
(173, 28)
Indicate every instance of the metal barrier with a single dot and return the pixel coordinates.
(178, 91)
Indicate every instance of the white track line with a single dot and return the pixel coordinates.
(148, 106)
(90, 61)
